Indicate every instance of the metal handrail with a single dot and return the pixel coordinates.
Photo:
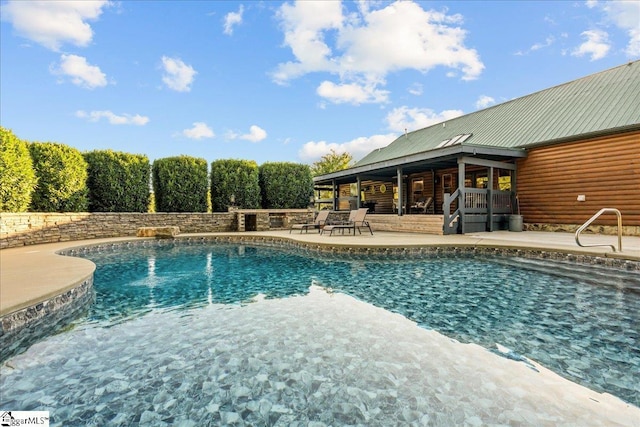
(593, 218)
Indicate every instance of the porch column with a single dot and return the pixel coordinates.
(335, 194)
(490, 200)
(400, 192)
(358, 191)
(462, 197)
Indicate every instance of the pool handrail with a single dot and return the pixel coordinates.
(593, 218)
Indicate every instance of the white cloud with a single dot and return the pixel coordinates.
(416, 89)
(178, 75)
(411, 119)
(256, 134)
(358, 148)
(626, 16)
(199, 130)
(124, 119)
(80, 72)
(597, 45)
(304, 24)
(484, 101)
(367, 45)
(547, 42)
(538, 46)
(53, 23)
(232, 19)
(352, 93)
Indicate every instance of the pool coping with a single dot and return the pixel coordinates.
(42, 280)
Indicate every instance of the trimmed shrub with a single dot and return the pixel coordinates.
(285, 185)
(239, 178)
(180, 184)
(62, 178)
(17, 176)
(118, 182)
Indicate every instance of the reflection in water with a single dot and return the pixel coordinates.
(584, 332)
(320, 359)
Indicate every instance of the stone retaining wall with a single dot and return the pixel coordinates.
(21, 229)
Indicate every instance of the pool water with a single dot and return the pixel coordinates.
(220, 334)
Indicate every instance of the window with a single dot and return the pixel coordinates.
(417, 187)
(446, 183)
(504, 180)
(476, 180)
(481, 181)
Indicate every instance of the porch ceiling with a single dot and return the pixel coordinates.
(435, 159)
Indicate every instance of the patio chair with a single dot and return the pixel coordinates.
(317, 224)
(423, 206)
(355, 222)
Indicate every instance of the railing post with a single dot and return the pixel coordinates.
(462, 198)
(400, 192)
(490, 208)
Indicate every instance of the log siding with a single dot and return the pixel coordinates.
(605, 170)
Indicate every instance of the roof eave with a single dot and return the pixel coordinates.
(422, 157)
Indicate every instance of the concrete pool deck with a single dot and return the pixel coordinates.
(32, 274)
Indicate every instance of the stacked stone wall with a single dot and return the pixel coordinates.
(627, 230)
(31, 228)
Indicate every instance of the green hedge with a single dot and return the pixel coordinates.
(239, 178)
(17, 176)
(62, 178)
(180, 184)
(285, 185)
(118, 182)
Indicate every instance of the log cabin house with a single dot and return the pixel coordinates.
(550, 160)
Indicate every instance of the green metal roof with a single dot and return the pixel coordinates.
(605, 102)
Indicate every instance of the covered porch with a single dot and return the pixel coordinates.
(451, 190)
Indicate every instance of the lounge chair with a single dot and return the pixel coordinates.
(355, 222)
(321, 219)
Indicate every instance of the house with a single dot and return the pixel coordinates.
(556, 157)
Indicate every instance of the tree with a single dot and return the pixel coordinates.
(285, 185)
(17, 175)
(237, 179)
(62, 178)
(331, 162)
(118, 182)
(180, 184)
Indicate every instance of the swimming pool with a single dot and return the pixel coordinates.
(228, 333)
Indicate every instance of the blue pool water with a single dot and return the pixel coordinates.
(585, 328)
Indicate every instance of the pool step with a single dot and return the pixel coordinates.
(596, 274)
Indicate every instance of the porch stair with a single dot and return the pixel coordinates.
(427, 224)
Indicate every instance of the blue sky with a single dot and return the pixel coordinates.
(286, 81)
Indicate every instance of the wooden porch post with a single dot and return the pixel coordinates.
(400, 192)
(462, 196)
(490, 200)
(358, 191)
(335, 194)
